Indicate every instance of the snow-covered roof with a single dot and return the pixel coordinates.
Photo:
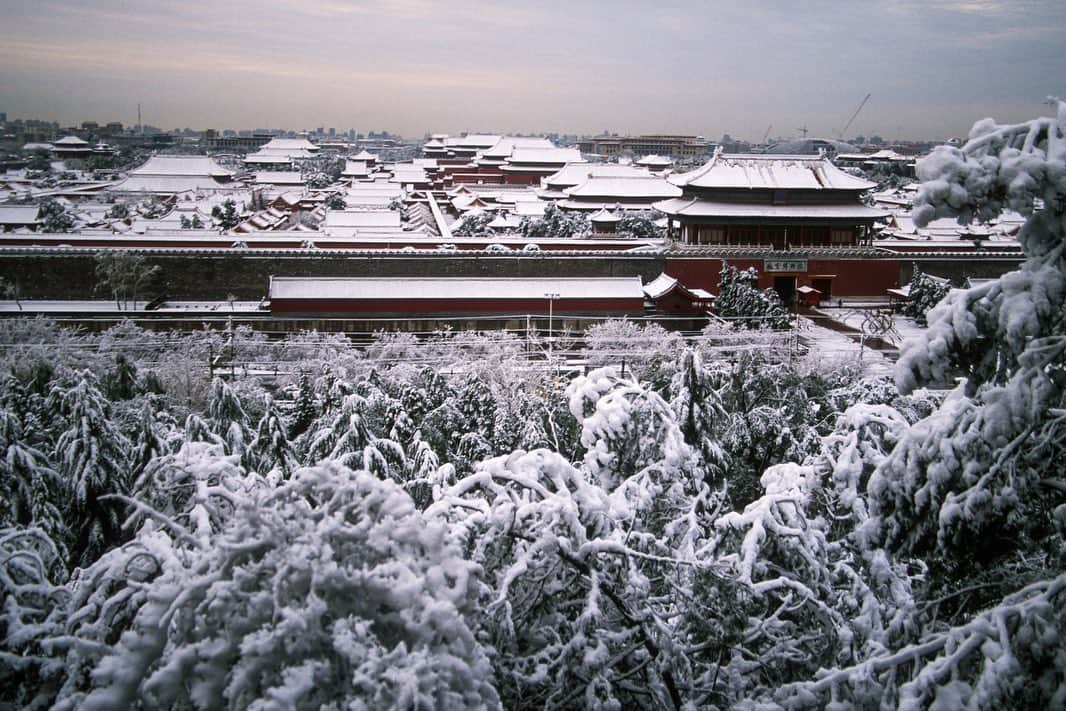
(71, 142)
(604, 215)
(506, 222)
(37, 147)
(355, 168)
(164, 165)
(577, 173)
(508, 145)
(365, 155)
(660, 286)
(810, 146)
(404, 173)
(279, 177)
(654, 160)
(18, 214)
(547, 155)
(361, 218)
(472, 140)
(713, 208)
(526, 208)
(774, 172)
(627, 187)
(455, 288)
(882, 155)
(289, 144)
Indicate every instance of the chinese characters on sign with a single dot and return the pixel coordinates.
(785, 265)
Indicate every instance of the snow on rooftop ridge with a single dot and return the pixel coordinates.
(179, 165)
(660, 286)
(508, 145)
(289, 144)
(654, 160)
(624, 187)
(18, 214)
(573, 174)
(478, 288)
(770, 171)
(545, 155)
(697, 207)
(361, 218)
(70, 141)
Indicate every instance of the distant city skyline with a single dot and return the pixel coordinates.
(417, 66)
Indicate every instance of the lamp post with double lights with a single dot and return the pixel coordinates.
(551, 297)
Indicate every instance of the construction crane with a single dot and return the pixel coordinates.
(853, 116)
(767, 134)
(804, 131)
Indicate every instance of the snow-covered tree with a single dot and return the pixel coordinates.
(120, 382)
(54, 217)
(30, 488)
(124, 275)
(227, 418)
(345, 437)
(985, 466)
(271, 450)
(640, 224)
(226, 215)
(555, 223)
(971, 496)
(92, 456)
(475, 224)
(925, 293)
(745, 305)
(328, 591)
(647, 350)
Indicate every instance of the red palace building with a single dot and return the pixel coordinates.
(798, 219)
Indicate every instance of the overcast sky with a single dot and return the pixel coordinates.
(644, 66)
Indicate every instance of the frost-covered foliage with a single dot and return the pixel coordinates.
(971, 496)
(358, 601)
(430, 522)
(986, 465)
(640, 224)
(54, 217)
(925, 293)
(475, 224)
(91, 455)
(648, 350)
(743, 304)
(555, 223)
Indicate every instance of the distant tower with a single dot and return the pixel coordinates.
(139, 124)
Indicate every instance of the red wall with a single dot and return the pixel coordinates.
(854, 277)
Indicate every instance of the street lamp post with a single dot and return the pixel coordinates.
(551, 297)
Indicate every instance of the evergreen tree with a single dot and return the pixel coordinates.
(120, 382)
(305, 406)
(91, 456)
(925, 293)
(270, 450)
(746, 306)
(227, 419)
(226, 215)
(54, 217)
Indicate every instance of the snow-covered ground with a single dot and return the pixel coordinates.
(853, 315)
(827, 344)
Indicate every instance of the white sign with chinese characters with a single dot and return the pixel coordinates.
(785, 265)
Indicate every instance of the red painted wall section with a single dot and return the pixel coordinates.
(853, 277)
